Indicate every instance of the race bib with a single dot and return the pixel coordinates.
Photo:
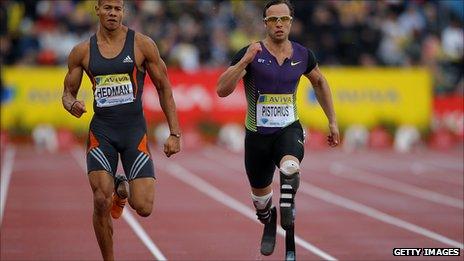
(113, 89)
(274, 110)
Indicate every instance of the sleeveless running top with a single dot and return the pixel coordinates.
(117, 83)
(270, 88)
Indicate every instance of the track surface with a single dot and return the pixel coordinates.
(349, 207)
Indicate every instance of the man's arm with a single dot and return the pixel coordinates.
(157, 71)
(72, 83)
(324, 97)
(228, 80)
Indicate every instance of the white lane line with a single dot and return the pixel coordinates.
(445, 165)
(416, 170)
(127, 216)
(335, 199)
(216, 154)
(348, 172)
(7, 170)
(198, 183)
(384, 164)
(130, 219)
(413, 163)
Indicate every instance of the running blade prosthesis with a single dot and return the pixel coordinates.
(269, 234)
(289, 186)
(290, 254)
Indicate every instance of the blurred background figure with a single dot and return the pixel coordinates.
(45, 138)
(231, 136)
(356, 137)
(406, 139)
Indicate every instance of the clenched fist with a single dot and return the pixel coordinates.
(251, 52)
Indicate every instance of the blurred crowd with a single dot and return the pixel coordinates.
(194, 34)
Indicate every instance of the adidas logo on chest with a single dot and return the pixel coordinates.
(127, 60)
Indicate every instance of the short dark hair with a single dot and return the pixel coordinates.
(100, 1)
(278, 2)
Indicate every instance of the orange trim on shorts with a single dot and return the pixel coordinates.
(143, 145)
(93, 142)
(134, 76)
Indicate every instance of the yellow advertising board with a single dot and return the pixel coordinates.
(370, 97)
(35, 98)
(361, 96)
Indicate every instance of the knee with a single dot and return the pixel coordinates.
(143, 209)
(289, 173)
(289, 167)
(101, 202)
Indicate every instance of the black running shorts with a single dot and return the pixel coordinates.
(106, 141)
(264, 152)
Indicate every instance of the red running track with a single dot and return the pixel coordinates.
(349, 207)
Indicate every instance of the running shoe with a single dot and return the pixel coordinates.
(119, 196)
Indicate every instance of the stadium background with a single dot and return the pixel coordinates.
(391, 65)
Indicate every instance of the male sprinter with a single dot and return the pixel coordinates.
(271, 70)
(116, 60)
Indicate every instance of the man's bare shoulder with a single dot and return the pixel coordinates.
(143, 41)
(82, 47)
(80, 51)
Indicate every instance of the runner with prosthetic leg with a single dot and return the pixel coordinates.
(271, 70)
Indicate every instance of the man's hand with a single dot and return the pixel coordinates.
(171, 146)
(77, 108)
(251, 52)
(333, 139)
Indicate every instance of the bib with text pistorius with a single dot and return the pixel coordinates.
(275, 110)
(113, 89)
